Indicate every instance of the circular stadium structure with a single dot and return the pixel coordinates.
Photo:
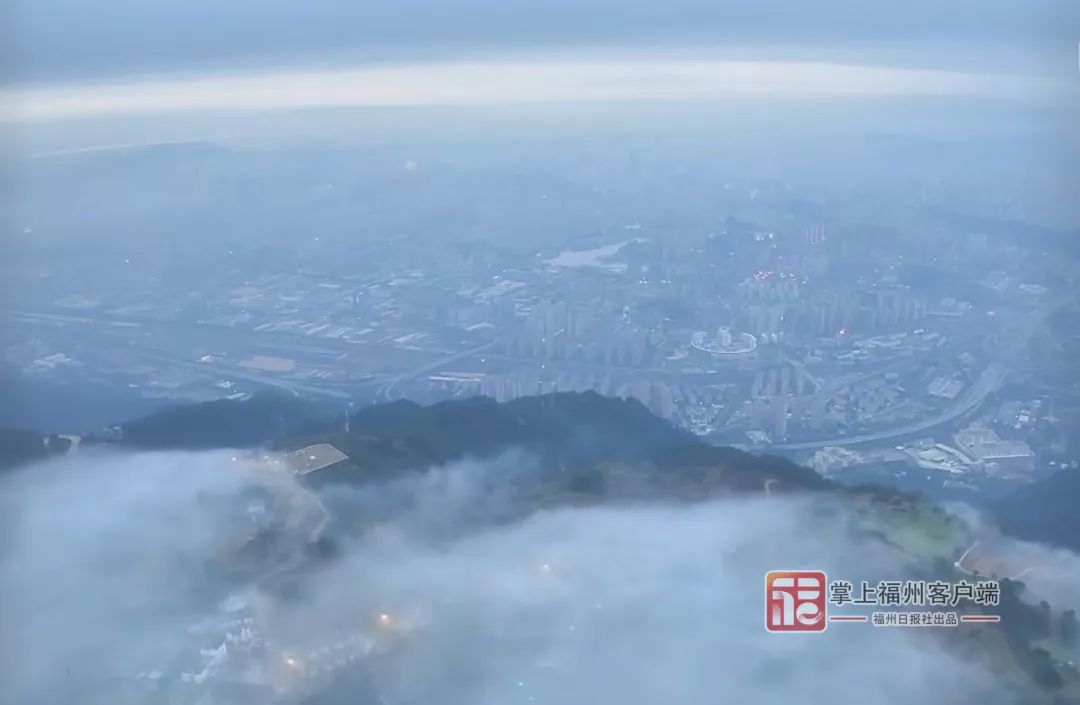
(724, 343)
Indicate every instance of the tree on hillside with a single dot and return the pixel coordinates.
(1042, 621)
(1041, 668)
(1069, 627)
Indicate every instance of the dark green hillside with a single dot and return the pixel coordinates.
(259, 420)
(1044, 511)
(569, 431)
(20, 446)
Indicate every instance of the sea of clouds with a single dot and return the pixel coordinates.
(616, 603)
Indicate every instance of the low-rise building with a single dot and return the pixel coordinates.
(997, 456)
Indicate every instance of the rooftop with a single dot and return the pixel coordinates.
(1005, 449)
(312, 458)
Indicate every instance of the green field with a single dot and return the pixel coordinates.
(922, 531)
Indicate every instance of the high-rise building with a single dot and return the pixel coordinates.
(780, 418)
(817, 411)
(815, 235)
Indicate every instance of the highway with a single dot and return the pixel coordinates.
(287, 344)
(988, 381)
(386, 391)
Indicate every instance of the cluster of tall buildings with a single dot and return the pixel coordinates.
(594, 332)
(783, 379)
(771, 415)
(767, 286)
(868, 313)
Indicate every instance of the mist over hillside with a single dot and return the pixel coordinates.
(628, 603)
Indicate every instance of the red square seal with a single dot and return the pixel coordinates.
(795, 601)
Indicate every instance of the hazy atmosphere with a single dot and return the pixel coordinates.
(67, 38)
(564, 352)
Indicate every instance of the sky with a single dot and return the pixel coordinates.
(72, 38)
(69, 59)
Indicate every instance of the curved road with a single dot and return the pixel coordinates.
(988, 381)
(386, 391)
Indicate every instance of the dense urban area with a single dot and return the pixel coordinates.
(930, 341)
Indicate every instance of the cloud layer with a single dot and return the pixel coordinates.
(501, 83)
(629, 604)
